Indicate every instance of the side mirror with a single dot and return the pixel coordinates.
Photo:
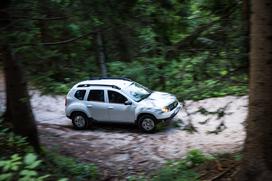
(128, 103)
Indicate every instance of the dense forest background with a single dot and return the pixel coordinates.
(194, 49)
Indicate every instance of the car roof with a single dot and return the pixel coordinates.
(115, 82)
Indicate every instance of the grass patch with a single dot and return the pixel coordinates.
(19, 162)
(178, 170)
(181, 170)
(195, 166)
(70, 166)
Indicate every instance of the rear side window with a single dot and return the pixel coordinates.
(96, 95)
(80, 94)
(115, 97)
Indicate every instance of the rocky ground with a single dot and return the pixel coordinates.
(121, 150)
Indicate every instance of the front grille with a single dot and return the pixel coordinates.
(173, 105)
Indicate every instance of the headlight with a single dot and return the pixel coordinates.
(165, 109)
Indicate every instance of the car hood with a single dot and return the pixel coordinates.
(158, 99)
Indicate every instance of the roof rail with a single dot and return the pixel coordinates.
(114, 78)
(89, 85)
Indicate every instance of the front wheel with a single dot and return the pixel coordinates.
(147, 123)
(80, 121)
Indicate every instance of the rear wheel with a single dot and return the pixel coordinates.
(147, 123)
(80, 121)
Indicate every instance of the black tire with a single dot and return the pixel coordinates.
(80, 121)
(147, 123)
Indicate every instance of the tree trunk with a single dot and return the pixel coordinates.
(122, 44)
(246, 29)
(18, 108)
(7, 115)
(257, 161)
(18, 104)
(101, 54)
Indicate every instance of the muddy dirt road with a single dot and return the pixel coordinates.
(121, 150)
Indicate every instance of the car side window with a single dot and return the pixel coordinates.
(115, 97)
(96, 95)
(79, 94)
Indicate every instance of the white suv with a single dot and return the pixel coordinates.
(119, 100)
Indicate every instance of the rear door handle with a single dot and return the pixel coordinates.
(89, 106)
(110, 107)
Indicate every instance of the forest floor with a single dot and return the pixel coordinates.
(121, 150)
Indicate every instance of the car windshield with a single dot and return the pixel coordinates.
(137, 92)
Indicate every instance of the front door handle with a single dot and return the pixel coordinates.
(89, 106)
(110, 107)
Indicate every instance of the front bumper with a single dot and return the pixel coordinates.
(166, 117)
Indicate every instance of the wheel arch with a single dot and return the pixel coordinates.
(143, 114)
(76, 112)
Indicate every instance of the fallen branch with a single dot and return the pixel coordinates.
(221, 174)
(35, 18)
(221, 127)
(55, 43)
(204, 122)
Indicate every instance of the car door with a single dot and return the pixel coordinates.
(118, 110)
(96, 105)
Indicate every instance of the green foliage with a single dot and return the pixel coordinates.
(12, 164)
(18, 162)
(179, 175)
(238, 157)
(10, 142)
(21, 169)
(181, 170)
(194, 49)
(196, 157)
(187, 78)
(51, 87)
(16, 141)
(178, 170)
(136, 178)
(69, 166)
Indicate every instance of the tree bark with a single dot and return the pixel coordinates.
(257, 161)
(7, 115)
(122, 45)
(20, 111)
(101, 54)
(246, 29)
